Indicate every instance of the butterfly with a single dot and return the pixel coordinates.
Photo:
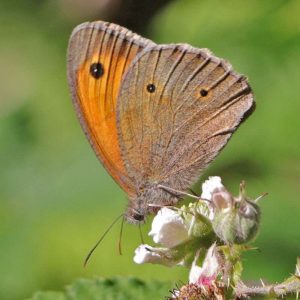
(155, 115)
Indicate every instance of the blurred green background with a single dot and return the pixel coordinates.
(55, 197)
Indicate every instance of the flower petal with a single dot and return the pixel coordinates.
(211, 185)
(146, 254)
(168, 228)
(207, 274)
(195, 273)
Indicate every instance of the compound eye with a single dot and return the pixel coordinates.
(138, 217)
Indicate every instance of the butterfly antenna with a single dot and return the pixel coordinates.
(120, 237)
(101, 239)
(141, 234)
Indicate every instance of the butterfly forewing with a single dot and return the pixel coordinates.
(171, 131)
(99, 54)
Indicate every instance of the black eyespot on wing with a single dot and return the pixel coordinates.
(151, 88)
(203, 92)
(96, 70)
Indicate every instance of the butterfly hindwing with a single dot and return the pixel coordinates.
(177, 108)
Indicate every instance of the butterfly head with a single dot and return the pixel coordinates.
(138, 209)
(147, 201)
(134, 216)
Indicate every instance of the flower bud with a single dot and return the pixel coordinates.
(236, 220)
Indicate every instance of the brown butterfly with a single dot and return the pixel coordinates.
(155, 115)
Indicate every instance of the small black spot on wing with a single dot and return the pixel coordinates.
(151, 88)
(203, 92)
(96, 70)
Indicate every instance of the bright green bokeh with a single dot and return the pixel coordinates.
(55, 198)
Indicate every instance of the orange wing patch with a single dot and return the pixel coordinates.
(109, 50)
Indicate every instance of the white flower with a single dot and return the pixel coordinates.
(207, 274)
(213, 184)
(147, 254)
(214, 191)
(168, 228)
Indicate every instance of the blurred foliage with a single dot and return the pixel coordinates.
(55, 198)
(109, 289)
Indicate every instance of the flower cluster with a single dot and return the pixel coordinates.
(205, 235)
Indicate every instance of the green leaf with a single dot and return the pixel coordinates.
(109, 289)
